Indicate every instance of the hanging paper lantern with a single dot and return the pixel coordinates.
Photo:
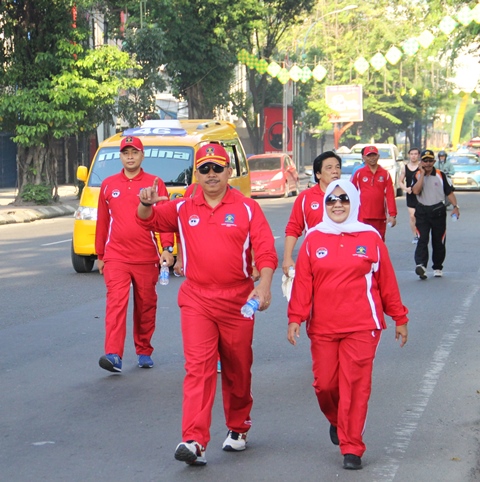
(410, 46)
(393, 55)
(378, 61)
(283, 75)
(295, 73)
(464, 16)
(253, 61)
(319, 73)
(476, 13)
(243, 56)
(426, 39)
(361, 65)
(306, 74)
(262, 66)
(273, 68)
(447, 25)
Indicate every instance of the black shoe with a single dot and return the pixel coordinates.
(352, 462)
(421, 271)
(334, 435)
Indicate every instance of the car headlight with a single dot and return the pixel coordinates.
(277, 176)
(84, 213)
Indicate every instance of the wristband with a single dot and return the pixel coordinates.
(146, 205)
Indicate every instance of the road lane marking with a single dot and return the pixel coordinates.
(57, 242)
(409, 421)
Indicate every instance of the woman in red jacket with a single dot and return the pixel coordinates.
(343, 285)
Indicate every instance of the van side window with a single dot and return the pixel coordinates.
(238, 160)
(234, 161)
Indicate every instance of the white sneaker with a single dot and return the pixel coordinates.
(421, 271)
(415, 240)
(438, 273)
(235, 442)
(191, 452)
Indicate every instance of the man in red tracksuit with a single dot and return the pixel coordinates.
(128, 255)
(377, 196)
(219, 228)
(307, 210)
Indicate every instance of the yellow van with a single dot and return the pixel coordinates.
(170, 148)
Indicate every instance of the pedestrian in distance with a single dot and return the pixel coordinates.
(219, 228)
(407, 175)
(431, 186)
(377, 195)
(344, 283)
(128, 256)
(307, 209)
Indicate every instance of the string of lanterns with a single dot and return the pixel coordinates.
(465, 16)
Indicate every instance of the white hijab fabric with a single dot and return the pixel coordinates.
(351, 224)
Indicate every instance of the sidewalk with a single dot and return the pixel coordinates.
(27, 213)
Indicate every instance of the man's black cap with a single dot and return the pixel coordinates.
(427, 154)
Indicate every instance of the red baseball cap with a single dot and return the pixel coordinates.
(212, 153)
(131, 141)
(370, 150)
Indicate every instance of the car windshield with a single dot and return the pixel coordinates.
(264, 163)
(348, 164)
(173, 165)
(384, 152)
(463, 160)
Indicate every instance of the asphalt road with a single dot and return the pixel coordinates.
(63, 418)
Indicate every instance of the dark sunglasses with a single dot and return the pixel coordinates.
(331, 199)
(428, 160)
(205, 169)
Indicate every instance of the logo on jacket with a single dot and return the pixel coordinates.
(381, 178)
(115, 193)
(321, 252)
(365, 179)
(229, 220)
(361, 251)
(315, 205)
(194, 220)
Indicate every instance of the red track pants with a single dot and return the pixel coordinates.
(118, 278)
(212, 325)
(342, 370)
(379, 224)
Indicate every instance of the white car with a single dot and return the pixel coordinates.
(390, 160)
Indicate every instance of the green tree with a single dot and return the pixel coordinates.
(396, 95)
(51, 86)
(145, 45)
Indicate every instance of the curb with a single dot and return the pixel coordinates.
(27, 215)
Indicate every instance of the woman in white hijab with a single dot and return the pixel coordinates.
(344, 283)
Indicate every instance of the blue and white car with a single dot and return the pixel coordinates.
(467, 171)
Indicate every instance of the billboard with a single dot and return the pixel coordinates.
(272, 138)
(346, 102)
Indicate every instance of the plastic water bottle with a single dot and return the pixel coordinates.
(389, 225)
(291, 272)
(454, 217)
(164, 274)
(250, 307)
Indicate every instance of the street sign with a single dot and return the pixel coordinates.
(346, 102)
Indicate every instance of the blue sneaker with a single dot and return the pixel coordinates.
(145, 361)
(111, 362)
(219, 366)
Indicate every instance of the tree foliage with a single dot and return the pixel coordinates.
(51, 86)
(396, 96)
